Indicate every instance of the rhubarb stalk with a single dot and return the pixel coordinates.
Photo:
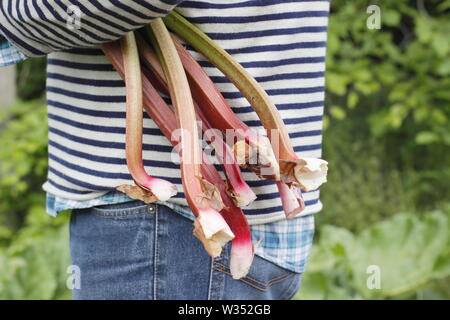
(238, 189)
(210, 227)
(157, 109)
(220, 115)
(293, 168)
(217, 111)
(150, 189)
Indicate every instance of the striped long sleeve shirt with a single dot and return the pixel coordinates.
(281, 43)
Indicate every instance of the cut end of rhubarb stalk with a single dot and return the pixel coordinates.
(154, 190)
(212, 230)
(291, 199)
(312, 174)
(258, 157)
(241, 259)
(162, 189)
(308, 173)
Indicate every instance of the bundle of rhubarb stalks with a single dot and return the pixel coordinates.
(153, 63)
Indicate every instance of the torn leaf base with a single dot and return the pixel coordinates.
(210, 196)
(257, 157)
(242, 195)
(136, 192)
(212, 230)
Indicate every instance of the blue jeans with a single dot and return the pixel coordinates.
(137, 251)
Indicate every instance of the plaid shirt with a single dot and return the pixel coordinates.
(8, 54)
(285, 243)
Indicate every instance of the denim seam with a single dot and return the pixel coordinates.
(210, 279)
(155, 262)
(119, 209)
(120, 216)
(288, 294)
(264, 289)
(274, 280)
(219, 279)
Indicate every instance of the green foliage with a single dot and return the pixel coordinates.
(31, 78)
(368, 182)
(412, 256)
(23, 161)
(34, 247)
(399, 74)
(34, 264)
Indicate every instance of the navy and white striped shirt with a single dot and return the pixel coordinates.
(281, 43)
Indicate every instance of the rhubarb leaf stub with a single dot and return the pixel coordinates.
(312, 175)
(137, 193)
(210, 196)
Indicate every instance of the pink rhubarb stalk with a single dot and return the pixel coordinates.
(160, 190)
(210, 227)
(238, 189)
(164, 117)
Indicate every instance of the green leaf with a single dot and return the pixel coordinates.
(409, 252)
(444, 67)
(426, 137)
(404, 248)
(337, 83)
(441, 44)
(424, 29)
(352, 99)
(337, 112)
(391, 17)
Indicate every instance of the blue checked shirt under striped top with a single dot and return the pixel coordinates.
(281, 43)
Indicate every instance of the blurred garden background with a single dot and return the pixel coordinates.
(386, 137)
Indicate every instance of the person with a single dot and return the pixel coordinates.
(123, 248)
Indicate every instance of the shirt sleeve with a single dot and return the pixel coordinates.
(9, 54)
(37, 28)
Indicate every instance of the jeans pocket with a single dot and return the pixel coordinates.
(120, 210)
(267, 279)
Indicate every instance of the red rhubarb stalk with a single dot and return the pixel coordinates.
(160, 190)
(221, 116)
(210, 227)
(238, 189)
(164, 117)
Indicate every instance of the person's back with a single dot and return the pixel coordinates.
(281, 43)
